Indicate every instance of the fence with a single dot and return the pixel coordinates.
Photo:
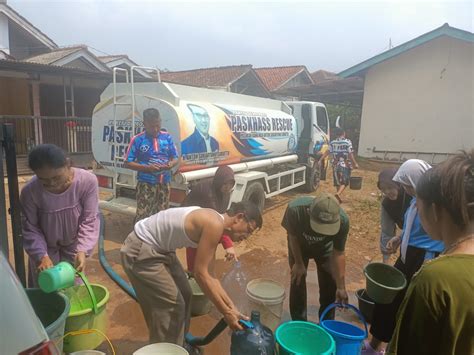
(73, 134)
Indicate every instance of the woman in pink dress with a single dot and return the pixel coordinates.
(60, 205)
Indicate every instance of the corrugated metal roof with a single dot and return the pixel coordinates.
(444, 30)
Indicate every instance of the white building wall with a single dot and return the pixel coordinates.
(420, 101)
(4, 34)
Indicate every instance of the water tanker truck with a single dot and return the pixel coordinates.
(272, 146)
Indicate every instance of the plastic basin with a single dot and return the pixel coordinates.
(161, 348)
(52, 310)
(303, 338)
(82, 316)
(383, 282)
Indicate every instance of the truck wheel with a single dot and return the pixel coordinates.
(312, 178)
(256, 194)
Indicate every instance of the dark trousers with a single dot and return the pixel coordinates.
(385, 315)
(327, 288)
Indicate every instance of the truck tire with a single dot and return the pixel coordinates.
(256, 194)
(312, 178)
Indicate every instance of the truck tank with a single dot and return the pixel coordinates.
(209, 127)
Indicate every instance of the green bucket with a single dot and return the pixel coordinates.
(383, 282)
(83, 317)
(52, 310)
(200, 303)
(304, 338)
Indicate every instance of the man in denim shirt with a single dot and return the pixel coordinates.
(153, 154)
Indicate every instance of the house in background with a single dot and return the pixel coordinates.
(49, 92)
(418, 97)
(321, 76)
(124, 62)
(18, 37)
(241, 79)
(280, 78)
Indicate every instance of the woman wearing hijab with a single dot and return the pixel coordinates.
(214, 194)
(415, 247)
(437, 316)
(394, 205)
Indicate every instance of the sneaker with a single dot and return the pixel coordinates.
(368, 350)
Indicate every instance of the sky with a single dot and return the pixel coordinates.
(179, 35)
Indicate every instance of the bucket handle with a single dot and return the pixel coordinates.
(86, 331)
(348, 306)
(91, 292)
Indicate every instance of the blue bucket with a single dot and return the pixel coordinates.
(348, 337)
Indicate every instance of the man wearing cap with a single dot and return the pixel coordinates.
(317, 229)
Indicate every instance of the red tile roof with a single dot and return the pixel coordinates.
(275, 77)
(207, 77)
(323, 75)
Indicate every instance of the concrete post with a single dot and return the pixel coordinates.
(35, 94)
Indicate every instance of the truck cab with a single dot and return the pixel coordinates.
(313, 133)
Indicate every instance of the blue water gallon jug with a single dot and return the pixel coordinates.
(255, 339)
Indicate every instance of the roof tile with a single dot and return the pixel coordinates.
(53, 56)
(206, 77)
(275, 77)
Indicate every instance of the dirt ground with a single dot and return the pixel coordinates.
(264, 255)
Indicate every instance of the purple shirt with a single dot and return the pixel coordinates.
(57, 223)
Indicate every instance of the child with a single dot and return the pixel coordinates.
(342, 161)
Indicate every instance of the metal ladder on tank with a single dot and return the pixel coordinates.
(118, 161)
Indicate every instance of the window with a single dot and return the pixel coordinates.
(322, 118)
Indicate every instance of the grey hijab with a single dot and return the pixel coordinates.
(411, 171)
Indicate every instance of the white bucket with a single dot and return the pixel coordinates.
(266, 296)
(87, 352)
(161, 349)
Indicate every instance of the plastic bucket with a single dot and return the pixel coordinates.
(366, 304)
(348, 337)
(58, 277)
(355, 183)
(383, 282)
(266, 296)
(82, 316)
(303, 338)
(200, 304)
(161, 349)
(52, 310)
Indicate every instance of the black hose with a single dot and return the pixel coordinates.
(124, 285)
(199, 341)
